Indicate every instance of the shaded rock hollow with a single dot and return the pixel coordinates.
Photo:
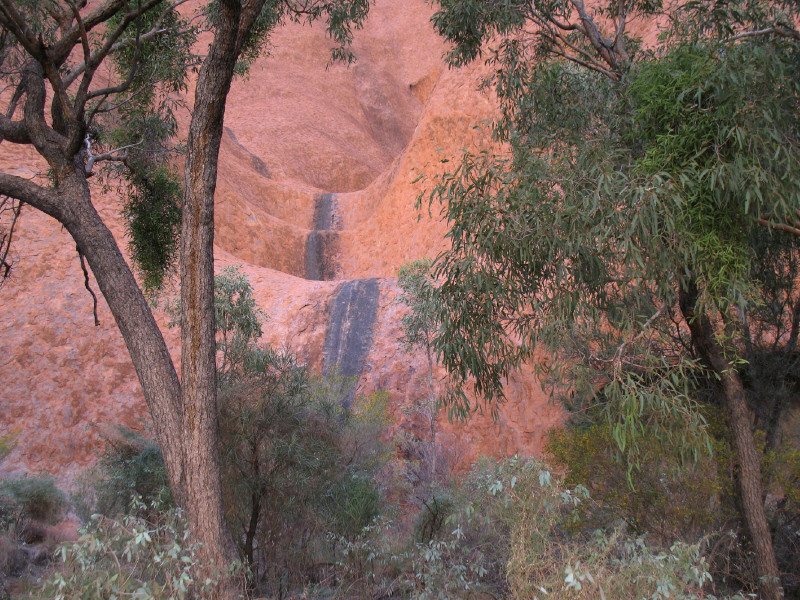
(315, 200)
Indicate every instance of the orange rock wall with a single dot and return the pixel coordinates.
(295, 128)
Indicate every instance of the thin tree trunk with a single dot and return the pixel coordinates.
(750, 489)
(252, 528)
(198, 324)
(431, 411)
(70, 204)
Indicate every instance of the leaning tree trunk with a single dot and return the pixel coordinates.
(750, 489)
(133, 316)
(70, 204)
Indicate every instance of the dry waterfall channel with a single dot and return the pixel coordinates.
(350, 327)
(354, 307)
(322, 244)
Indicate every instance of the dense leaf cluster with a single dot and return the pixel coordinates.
(578, 231)
(637, 214)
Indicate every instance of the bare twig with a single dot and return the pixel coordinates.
(779, 30)
(6, 238)
(111, 155)
(88, 287)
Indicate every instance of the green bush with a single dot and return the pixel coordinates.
(430, 521)
(278, 454)
(520, 501)
(130, 474)
(35, 498)
(351, 504)
(296, 465)
(508, 537)
(378, 564)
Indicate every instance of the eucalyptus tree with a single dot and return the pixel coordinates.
(624, 219)
(92, 88)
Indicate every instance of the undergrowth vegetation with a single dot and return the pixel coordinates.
(313, 520)
(328, 502)
(30, 499)
(129, 557)
(309, 488)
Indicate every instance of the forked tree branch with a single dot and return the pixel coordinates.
(111, 155)
(37, 196)
(154, 31)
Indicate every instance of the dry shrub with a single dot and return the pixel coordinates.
(670, 500)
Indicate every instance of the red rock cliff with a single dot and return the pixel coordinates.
(315, 199)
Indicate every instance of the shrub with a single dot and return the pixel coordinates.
(130, 557)
(296, 465)
(430, 520)
(34, 498)
(351, 504)
(520, 499)
(278, 452)
(669, 499)
(129, 475)
(507, 537)
(375, 564)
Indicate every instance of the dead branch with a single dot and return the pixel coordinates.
(12, 206)
(88, 287)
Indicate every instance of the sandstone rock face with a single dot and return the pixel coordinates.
(316, 202)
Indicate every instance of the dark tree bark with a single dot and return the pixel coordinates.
(252, 527)
(198, 326)
(750, 488)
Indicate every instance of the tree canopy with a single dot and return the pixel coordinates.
(637, 212)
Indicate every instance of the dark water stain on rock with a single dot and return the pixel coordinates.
(350, 328)
(257, 164)
(322, 243)
(322, 249)
(326, 212)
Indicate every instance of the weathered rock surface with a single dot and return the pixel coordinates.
(316, 200)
